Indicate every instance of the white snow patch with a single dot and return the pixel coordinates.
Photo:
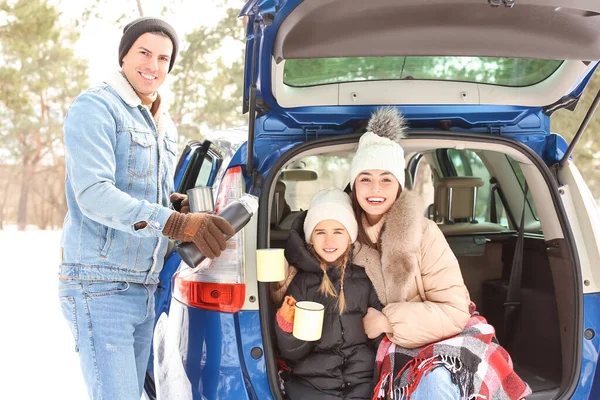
(36, 344)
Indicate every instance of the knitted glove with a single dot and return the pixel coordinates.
(208, 232)
(180, 202)
(285, 315)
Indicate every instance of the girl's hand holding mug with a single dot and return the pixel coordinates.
(285, 315)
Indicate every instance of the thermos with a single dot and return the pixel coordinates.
(238, 213)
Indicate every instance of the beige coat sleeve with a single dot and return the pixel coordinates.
(445, 310)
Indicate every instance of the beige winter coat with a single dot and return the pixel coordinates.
(416, 276)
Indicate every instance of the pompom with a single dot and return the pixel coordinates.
(387, 122)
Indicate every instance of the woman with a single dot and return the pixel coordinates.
(414, 271)
(437, 347)
(406, 256)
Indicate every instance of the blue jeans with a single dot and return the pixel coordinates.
(112, 323)
(436, 385)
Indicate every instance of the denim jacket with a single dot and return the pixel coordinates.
(120, 165)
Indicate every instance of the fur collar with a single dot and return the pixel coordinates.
(117, 81)
(121, 85)
(392, 270)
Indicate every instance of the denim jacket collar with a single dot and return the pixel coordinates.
(121, 85)
(117, 81)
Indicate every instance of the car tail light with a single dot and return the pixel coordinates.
(218, 284)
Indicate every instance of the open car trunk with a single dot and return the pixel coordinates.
(310, 82)
(543, 343)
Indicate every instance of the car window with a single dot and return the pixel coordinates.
(205, 170)
(333, 172)
(468, 163)
(516, 72)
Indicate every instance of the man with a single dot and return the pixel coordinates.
(121, 146)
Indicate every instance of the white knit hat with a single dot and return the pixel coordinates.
(378, 148)
(330, 204)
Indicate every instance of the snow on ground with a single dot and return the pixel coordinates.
(37, 350)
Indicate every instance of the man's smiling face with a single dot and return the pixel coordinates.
(146, 65)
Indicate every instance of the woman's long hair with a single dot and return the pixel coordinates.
(326, 286)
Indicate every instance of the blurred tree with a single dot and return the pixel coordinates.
(140, 8)
(40, 77)
(207, 90)
(8, 175)
(587, 152)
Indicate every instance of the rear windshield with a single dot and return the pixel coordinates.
(489, 70)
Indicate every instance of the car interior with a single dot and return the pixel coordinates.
(477, 193)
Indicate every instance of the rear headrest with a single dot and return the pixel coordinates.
(278, 206)
(455, 198)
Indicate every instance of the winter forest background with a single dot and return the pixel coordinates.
(52, 50)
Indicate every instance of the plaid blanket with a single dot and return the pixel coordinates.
(479, 366)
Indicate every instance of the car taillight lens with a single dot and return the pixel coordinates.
(223, 297)
(218, 284)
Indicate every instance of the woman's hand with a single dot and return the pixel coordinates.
(375, 323)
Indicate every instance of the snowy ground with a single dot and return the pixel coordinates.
(36, 346)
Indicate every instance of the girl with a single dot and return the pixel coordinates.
(341, 363)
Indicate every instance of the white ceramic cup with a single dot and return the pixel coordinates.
(270, 265)
(308, 320)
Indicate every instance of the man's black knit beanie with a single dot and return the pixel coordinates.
(138, 27)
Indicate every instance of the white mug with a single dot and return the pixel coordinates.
(270, 265)
(308, 320)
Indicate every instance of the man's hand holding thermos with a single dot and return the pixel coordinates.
(236, 214)
(208, 232)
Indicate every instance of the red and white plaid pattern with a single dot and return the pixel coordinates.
(479, 366)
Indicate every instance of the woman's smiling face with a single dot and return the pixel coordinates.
(376, 191)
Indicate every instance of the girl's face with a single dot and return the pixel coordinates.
(376, 191)
(330, 240)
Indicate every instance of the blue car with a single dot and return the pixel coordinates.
(477, 82)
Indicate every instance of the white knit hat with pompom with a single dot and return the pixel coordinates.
(379, 147)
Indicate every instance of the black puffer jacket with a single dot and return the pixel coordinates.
(342, 363)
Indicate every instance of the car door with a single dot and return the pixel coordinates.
(198, 166)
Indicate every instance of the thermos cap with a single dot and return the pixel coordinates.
(201, 199)
(250, 203)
